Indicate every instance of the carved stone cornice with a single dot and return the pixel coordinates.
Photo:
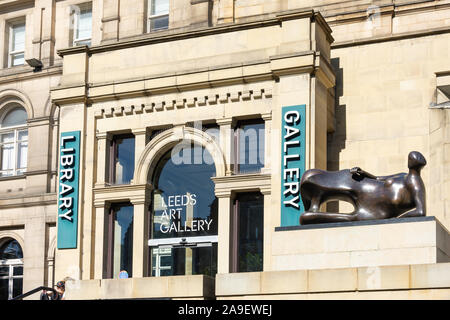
(134, 193)
(242, 182)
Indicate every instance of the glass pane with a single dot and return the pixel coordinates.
(159, 23)
(7, 137)
(4, 271)
(23, 135)
(123, 240)
(159, 7)
(184, 203)
(22, 153)
(7, 156)
(84, 30)
(11, 250)
(15, 117)
(185, 261)
(4, 289)
(250, 232)
(124, 161)
(18, 271)
(17, 59)
(18, 37)
(17, 287)
(251, 148)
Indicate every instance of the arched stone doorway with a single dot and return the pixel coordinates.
(183, 215)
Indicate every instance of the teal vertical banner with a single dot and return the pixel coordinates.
(69, 164)
(293, 128)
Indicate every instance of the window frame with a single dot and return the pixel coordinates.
(237, 143)
(111, 218)
(12, 53)
(76, 20)
(151, 17)
(11, 264)
(113, 151)
(235, 229)
(15, 130)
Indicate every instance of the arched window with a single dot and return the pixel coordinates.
(184, 214)
(11, 269)
(13, 142)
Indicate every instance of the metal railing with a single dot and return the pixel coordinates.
(29, 293)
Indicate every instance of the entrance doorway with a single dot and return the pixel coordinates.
(183, 239)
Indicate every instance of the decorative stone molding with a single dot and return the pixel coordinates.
(243, 182)
(181, 103)
(109, 194)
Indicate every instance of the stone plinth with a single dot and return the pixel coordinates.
(176, 287)
(426, 281)
(404, 241)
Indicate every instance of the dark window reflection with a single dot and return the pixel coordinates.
(250, 146)
(11, 270)
(184, 203)
(4, 289)
(250, 231)
(17, 287)
(11, 250)
(121, 240)
(123, 159)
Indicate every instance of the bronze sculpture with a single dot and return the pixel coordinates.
(398, 195)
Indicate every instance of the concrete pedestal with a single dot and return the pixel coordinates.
(360, 244)
(386, 259)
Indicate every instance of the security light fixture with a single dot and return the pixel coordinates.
(35, 63)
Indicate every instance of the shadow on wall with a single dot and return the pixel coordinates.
(336, 140)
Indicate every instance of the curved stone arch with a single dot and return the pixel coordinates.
(10, 95)
(168, 139)
(6, 236)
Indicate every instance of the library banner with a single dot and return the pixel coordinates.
(69, 165)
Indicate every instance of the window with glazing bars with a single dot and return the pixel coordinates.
(16, 54)
(158, 15)
(82, 24)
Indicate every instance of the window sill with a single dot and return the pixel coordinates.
(16, 177)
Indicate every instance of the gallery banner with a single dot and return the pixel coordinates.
(69, 163)
(293, 129)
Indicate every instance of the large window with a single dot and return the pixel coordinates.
(13, 142)
(249, 146)
(16, 54)
(120, 240)
(248, 232)
(184, 214)
(82, 24)
(11, 269)
(122, 159)
(158, 15)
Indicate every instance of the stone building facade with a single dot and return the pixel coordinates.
(127, 86)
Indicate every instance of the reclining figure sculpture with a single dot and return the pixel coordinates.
(399, 195)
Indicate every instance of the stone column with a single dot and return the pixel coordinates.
(140, 136)
(103, 141)
(101, 211)
(110, 21)
(140, 237)
(267, 117)
(268, 228)
(223, 246)
(225, 11)
(227, 143)
(44, 31)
